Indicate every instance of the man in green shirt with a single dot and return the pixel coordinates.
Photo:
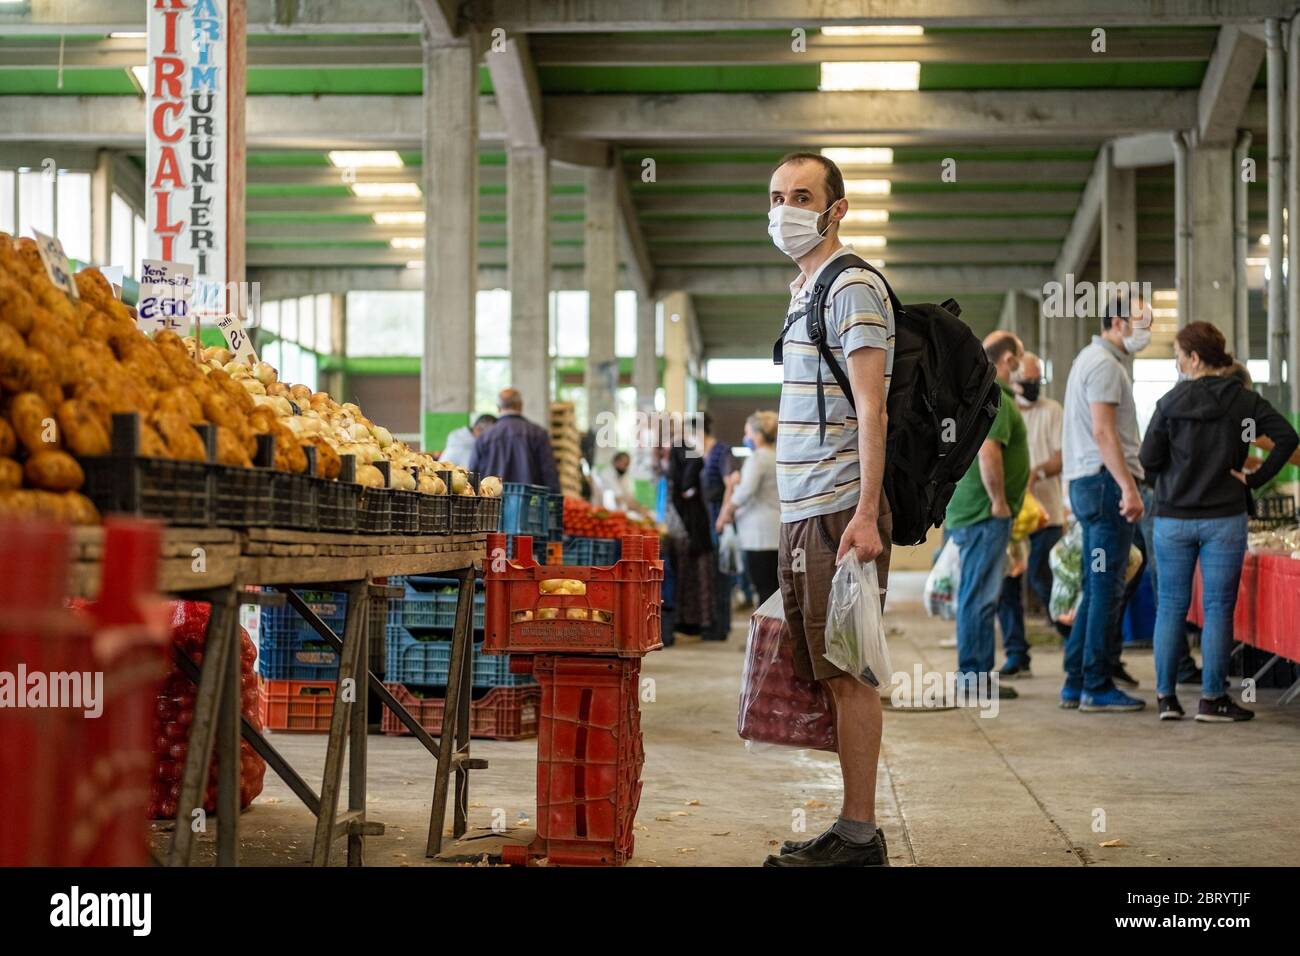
(979, 518)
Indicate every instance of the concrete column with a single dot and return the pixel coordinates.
(1119, 227)
(451, 236)
(645, 371)
(600, 251)
(1020, 317)
(335, 382)
(101, 210)
(528, 221)
(677, 349)
(1212, 270)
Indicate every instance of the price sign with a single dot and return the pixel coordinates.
(56, 263)
(165, 291)
(237, 338)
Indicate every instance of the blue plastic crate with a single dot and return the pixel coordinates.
(523, 509)
(410, 660)
(298, 659)
(555, 516)
(591, 552)
(431, 610)
(282, 625)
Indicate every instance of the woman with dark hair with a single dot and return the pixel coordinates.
(1196, 447)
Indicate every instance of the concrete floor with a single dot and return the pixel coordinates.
(1033, 786)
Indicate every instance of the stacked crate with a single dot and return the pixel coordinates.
(584, 646)
(566, 446)
(417, 660)
(297, 668)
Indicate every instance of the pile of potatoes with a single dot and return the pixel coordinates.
(67, 366)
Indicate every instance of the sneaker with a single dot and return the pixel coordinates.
(1013, 670)
(1169, 708)
(794, 846)
(1190, 675)
(1222, 710)
(949, 641)
(1122, 677)
(1070, 698)
(1107, 701)
(830, 849)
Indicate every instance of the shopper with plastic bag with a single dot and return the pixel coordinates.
(979, 520)
(830, 478)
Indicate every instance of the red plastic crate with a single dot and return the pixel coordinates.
(299, 705)
(502, 713)
(590, 753)
(619, 614)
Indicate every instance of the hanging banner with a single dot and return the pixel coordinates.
(195, 146)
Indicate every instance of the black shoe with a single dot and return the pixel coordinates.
(1191, 675)
(1169, 708)
(1123, 677)
(1222, 710)
(1015, 670)
(794, 846)
(830, 849)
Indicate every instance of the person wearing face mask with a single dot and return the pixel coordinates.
(1099, 451)
(830, 482)
(979, 518)
(615, 486)
(753, 503)
(1196, 446)
(1042, 416)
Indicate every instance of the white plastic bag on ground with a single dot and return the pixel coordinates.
(942, 584)
(855, 626)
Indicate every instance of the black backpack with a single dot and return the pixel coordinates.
(942, 400)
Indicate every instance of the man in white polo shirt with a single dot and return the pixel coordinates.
(830, 486)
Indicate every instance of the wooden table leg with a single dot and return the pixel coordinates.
(344, 697)
(228, 752)
(461, 804)
(360, 727)
(221, 642)
(460, 651)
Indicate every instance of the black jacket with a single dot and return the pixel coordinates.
(1196, 439)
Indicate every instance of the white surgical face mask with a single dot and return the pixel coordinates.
(1137, 341)
(794, 230)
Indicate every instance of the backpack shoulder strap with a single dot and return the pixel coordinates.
(818, 301)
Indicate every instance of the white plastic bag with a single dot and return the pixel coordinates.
(943, 583)
(729, 561)
(855, 626)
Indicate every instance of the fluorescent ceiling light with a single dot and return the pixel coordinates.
(1264, 240)
(865, 241)
(141, 76)
(128, 35)
(407, 242)
(875, 31)
(365, 158)
(399, 218)
(867, 187)
(386, 190)
(860, 156)
(415, 264)
(865, 217)
(871, 75)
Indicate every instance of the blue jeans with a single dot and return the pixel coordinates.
(983, 550)
(1107, 538)
(1011, 620)
(1220, 544)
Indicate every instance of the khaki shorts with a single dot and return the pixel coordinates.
(806, 593)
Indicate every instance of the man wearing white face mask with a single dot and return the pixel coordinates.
(830, 461)
(1099, 452)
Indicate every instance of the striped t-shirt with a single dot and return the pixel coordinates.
(816, 478)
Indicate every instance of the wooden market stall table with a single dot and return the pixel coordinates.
(217, 565)
(1267, 615)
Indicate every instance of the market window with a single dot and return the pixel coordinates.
(121, 248)
(141, 242)
(307, 321)
(492, 322)
(569, 323)
(385, 323)
(74, 214)
(625, 323)
(325, 324)
(35, 202)
(7, 202)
